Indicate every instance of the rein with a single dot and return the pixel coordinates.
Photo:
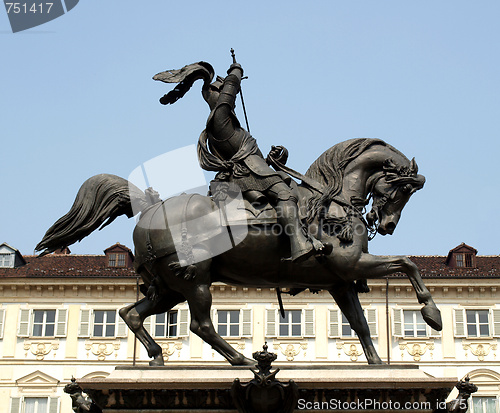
(316, 186)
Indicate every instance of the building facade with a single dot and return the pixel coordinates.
(59, 319)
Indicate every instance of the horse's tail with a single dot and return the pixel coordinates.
(100, 200)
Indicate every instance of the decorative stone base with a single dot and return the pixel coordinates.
(339, 388)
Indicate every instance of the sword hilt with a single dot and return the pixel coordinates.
(233, 55)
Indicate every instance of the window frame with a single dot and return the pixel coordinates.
(245, 319)
(477, 323)
(44, 323)
(167, 325)
(11, 257)
(290, 324)
(117, 260)
(228, 323)
(104, 324)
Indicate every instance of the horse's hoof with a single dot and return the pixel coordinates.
(432, 316)
(243, 361)
(157, 362)
(377, 360)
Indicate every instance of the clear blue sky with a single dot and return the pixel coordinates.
(78, 99)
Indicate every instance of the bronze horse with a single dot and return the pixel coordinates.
(346, 177)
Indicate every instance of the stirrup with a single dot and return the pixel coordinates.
(303, 255)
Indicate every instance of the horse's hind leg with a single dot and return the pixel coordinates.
(135, 314)
(200, 301)
(348, 302)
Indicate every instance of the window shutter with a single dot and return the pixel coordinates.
(84, 330)
(148, 324)
(495, 316)
(309, 322)
(246, 322)
(15, 405)
(459, 322)
(397, 322)
(61, 319)
(53, 404)
(371, 318)
(333, 323)
(2, 322)
(24, 323)
(270, 323)
(183, 322)
(121, 327)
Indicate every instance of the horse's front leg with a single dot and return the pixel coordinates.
(373, 266)
(348, 302)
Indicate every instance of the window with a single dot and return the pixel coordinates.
(463, 260)
(104, 323)
(233, 323)
(484, 405)
(228, 323)
(477, 323)
(172, 324)
(291, 324)
(296, 323)
(473, 323)
(347, 331)
(116, 260)
(34, 405)
(6, 260)
(42, 323)
(414, 324)
(338, 325)
(166, 324)
(101, 323)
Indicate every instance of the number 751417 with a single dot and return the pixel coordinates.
(17, 8)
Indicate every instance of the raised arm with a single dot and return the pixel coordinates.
(224, 123)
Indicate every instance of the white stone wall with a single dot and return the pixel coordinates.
(31, 366)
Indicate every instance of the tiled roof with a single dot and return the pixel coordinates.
(435, 267)
(60, 265)
(69, 265)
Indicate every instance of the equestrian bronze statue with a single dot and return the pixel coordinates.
(326, 247)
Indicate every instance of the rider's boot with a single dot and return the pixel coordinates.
(301, 247)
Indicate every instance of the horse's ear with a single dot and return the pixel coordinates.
(414, 166)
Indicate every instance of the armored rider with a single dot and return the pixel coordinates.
(226, 147)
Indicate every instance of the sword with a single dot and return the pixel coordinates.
(241, 94)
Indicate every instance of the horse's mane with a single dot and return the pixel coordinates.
(329, 169)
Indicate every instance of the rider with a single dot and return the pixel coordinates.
(225, 146)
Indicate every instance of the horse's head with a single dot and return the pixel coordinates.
(392, 189)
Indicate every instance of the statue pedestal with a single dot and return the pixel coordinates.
(206, 388)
